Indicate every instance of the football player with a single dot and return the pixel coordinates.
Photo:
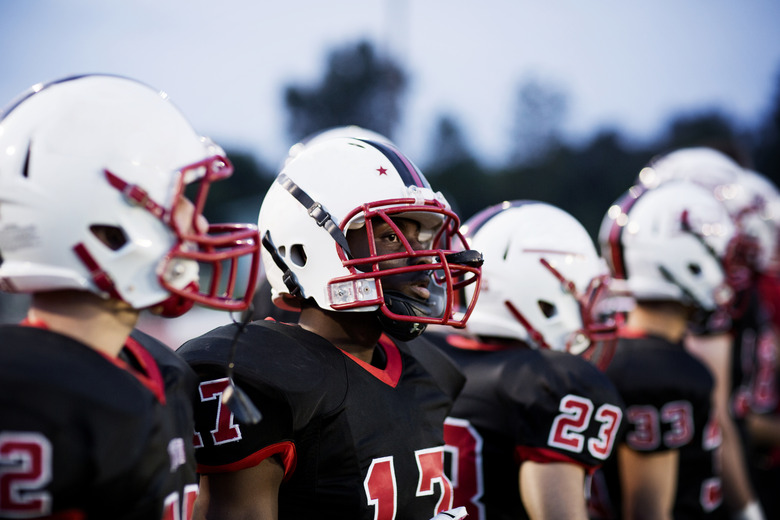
(760, 378)
(262, 305)
(667, 245)
(352, 402)
(534, 418)
(736, 345)
(96, 419)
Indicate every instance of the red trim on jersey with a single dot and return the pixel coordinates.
(466, 343)
(285, 449)
(546, 456)
(34, 322)
(392, 372)
(151, 377)
(631, 333)
(71, 514)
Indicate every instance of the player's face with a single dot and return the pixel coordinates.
(387, 241)
(182, 217)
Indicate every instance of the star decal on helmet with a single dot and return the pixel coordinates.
(382, 171)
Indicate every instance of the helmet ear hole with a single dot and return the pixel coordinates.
(298, 255)
(547, 308)
(112, 237)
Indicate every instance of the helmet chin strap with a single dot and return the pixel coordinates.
(239, 403)
(316, 211)
(101, 279)
(401, 304)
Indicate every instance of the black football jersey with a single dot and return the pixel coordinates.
(754, 359)
(668, 404)
(523, 404)
(357, 442)
(85, 436)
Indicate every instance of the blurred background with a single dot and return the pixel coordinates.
(559, 101)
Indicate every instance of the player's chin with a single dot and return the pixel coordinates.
(418, 292)
(414, 291)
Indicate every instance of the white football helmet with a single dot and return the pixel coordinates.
(542, 280)
(669, 244)
(340, 185)
(701, 165)
(736, 189)
(358, 132)
(760, 216)
(94, 156)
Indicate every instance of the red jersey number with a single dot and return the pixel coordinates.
(465, 443)
(177, 508)
(25, 471)
(576, 413)
(381, 487)
(647, 421)
(224, 428)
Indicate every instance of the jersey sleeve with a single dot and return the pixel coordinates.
(222, 443)
(282, 370)
(562, 410)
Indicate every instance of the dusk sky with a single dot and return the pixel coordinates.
(626, 65)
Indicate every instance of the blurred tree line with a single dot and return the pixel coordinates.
(363, 87)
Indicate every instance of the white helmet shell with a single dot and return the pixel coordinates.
(740, 190)
(355, 131)
(540, 268)
(669, 242)
(760, 216)
(101, 151)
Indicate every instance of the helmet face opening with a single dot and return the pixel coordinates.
(403, 258)
(598, 330)
(203, 264)
(364, 232)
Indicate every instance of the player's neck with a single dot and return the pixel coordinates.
(664, 322)
(354, 332)
(103, 325)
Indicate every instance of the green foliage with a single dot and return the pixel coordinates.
(360, 87)
(238, 198)
(583, 181)
(767, 148)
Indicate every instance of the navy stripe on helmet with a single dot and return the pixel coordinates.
(617, 252)
(480, 219)
(409, 173)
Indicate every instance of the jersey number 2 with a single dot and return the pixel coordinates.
(25, 470)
